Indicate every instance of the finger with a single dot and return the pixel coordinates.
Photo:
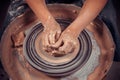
(57, 35)
(57, 44)
(57, 53)
(51, 38)
(45, 41)
(70, 48)
(67, 48)
(62, 48)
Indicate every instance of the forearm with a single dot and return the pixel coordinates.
(88, 13)
(40, 9)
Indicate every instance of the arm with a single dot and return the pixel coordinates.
(52, 29)
(88, 13)
(40, 9)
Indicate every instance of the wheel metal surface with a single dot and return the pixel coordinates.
(23, 58)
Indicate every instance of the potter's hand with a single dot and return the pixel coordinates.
(89, 11)
(66, 43)
(50, 34)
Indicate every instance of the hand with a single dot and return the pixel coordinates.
(66, 43)
(50, 34)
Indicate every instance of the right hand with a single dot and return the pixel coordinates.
(67, 42)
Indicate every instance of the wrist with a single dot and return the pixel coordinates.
(73, 32)
(50, 22)
(76, 29)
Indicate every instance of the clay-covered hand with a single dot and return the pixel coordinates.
(66, 43)
(50, 34)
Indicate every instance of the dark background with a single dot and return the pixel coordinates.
(114, 73)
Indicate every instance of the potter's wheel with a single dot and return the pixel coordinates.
(52, 65)
(23, 58)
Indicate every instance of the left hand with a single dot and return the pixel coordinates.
(51, 34)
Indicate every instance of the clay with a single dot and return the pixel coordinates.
(18, 39)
